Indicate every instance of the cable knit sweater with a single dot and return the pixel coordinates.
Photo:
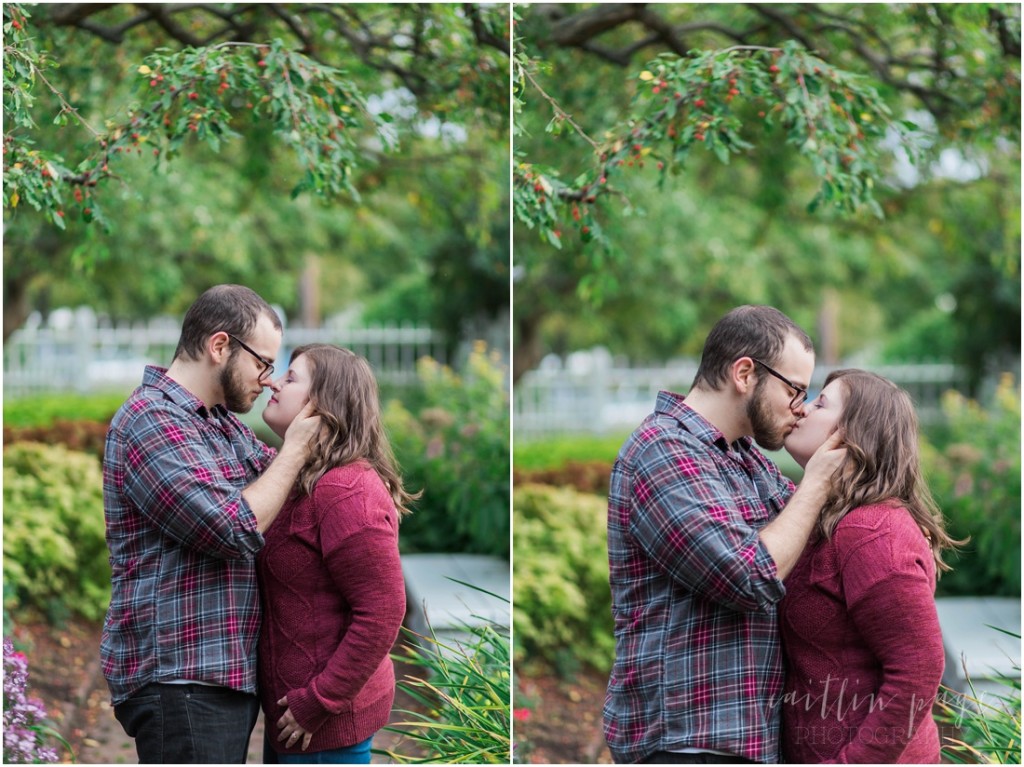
(333, 599)
(862, 644)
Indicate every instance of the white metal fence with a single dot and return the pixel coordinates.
(588, 392)
(79, 352)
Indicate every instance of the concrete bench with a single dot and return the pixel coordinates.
(987, 654)
(436, 602)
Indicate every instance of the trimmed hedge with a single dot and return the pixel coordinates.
(561, 598)
(55, 553)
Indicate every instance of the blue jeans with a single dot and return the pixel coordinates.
(189, 723)
(357, 754)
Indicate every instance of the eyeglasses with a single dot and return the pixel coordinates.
(268, 366)
(801, 392)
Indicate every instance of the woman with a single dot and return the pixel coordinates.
(860, 632)
(330, 577)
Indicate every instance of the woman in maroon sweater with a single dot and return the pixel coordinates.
(859, 628)
(330, 577)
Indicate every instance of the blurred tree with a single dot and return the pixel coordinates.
(273, 133)
(855, 109)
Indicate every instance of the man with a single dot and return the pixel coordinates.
(702, 528)
(188, 492)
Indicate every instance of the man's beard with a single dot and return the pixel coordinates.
(769, 434)
(237, 397)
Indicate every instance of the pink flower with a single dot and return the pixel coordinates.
(521, 714)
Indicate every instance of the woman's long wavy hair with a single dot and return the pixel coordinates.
(344, 392)
(882, 458)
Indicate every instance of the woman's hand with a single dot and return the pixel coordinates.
(291, 731)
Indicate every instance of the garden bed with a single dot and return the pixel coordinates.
(563, 723)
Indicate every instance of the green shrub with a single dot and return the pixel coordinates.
(456, 449)
(44, 409)
(561, 597)
(972, 466)
(55, 553)
(555, 452)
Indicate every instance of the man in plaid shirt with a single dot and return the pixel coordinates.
(188, 492)
(702, 529)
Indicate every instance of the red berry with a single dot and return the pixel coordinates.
(733, 92)
(16, 25)
(156, 152)
(87, 211)
(152, 83)
(193, 96)
(637, 147)
(699, 136)
(773, 69)
(661, 166)
(699, 103)
(655, 89)
(604, 179)
(261, 63)
(585, 230)
(60, 213)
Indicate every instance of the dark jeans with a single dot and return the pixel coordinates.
(189, 723)
(357, 754)
(670, 757)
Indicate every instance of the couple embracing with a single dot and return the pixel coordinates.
(243, 575)
(756, 621)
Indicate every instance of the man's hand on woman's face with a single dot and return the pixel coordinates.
(826, 459)
(303, 427)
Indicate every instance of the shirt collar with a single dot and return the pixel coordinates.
(674, 406)
(157, 378)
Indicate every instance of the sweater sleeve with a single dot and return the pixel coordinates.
(889, 589)
(360, 551)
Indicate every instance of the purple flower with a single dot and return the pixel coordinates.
(24, 718)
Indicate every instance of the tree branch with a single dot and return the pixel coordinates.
(482, 34)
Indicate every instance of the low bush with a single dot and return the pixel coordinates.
(37, 410)
(561, 597)
(972, 466)
(55, 553)
(85, 436)
(584, 476)
(455, 448)
(554, 452)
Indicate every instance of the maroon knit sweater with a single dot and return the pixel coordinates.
(862, 644)
(333, 601)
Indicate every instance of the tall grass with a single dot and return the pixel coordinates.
(990, 726)
(465, 692)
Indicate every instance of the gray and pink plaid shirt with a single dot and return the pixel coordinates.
(182, 540)
(694, 591)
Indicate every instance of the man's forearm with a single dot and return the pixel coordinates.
(786, 535)
(267, 494)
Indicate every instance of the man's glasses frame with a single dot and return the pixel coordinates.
(268, 366)
(801, 392)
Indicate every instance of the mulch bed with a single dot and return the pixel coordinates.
(563, 725)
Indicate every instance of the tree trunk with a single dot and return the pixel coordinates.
(526, 350)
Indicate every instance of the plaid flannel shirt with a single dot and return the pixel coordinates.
(698, 664)
(182, 542)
